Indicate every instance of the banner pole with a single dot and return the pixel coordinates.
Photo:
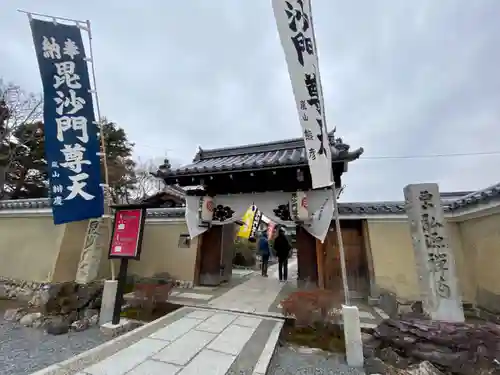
(341, 248)
(51, 17)
(106, 194)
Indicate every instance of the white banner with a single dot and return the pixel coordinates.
(274, 205)
(295, 27)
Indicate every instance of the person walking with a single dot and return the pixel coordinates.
(265, 252)
(282, 248)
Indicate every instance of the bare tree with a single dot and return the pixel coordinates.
(146, 183)
(17, 110)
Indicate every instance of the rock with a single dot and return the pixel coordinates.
(370, 345)
(93, 320)
(458, 348)
(64, 298)
(366, 337)
(389, 355)
(13, 315)
(375, 366)
(30, 318)
(39, 323)
(35, 301)
(4, 291)
(423, 368)
(58, 325)
(89, 313)
(80, 325)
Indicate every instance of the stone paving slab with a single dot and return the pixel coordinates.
(181, 345)
(234, 331)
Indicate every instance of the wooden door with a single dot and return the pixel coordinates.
(210, 253)
(227, 251)
(355, 260)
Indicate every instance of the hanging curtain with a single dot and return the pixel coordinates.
(320, 204)
(192, 216)
(274, 205)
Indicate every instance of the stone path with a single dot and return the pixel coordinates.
(202, 342)
(232, 333)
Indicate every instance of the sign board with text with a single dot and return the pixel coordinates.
(127, 234)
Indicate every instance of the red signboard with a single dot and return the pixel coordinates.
(127, 233)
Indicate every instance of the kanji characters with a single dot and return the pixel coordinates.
(308, 135)
(302, 45)
(74, 102)
(57, 201)
(74, 157)
(78, 123)
(58, 188)
(76, 189)
(51, 49)
(297, 18)
(66, 75)
(71, 49)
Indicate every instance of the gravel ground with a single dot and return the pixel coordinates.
(290, 361)
(26, 350)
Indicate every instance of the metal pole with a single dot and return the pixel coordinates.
(51, 17)
(107, 210)
(341, 248)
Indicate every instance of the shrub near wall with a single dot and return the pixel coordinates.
(244, 253)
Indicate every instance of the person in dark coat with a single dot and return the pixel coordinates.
(282, 248)
(265, 252)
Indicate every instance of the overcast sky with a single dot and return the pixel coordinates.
(399, 78)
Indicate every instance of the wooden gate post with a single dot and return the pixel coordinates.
(320, 260)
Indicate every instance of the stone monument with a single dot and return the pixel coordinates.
(441, 298)
(90, 258)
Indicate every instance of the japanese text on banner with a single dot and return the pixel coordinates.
(294, 21)
(71, 133)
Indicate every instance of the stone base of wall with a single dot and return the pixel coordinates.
(395, 306)
(24, 291)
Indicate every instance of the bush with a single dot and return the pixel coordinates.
(313, 308)
(149, 291)
(244, 253)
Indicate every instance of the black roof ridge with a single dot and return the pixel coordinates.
(257, 148)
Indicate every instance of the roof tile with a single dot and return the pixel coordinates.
(258, 156)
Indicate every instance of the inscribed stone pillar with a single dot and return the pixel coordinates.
(90, 258)
(434, 259)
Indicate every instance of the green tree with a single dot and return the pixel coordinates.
(121, 166)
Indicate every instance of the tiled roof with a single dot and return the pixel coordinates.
(258, 156)
(477, 197)
(483, 196)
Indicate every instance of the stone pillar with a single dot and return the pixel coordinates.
(434, 259)
(90, 259)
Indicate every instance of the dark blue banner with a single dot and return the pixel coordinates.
(71, 133)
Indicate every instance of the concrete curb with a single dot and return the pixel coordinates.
(269, 350)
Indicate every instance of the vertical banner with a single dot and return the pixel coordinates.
(295, 28)
(71, 133)
(246, 228)
(255, 224)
